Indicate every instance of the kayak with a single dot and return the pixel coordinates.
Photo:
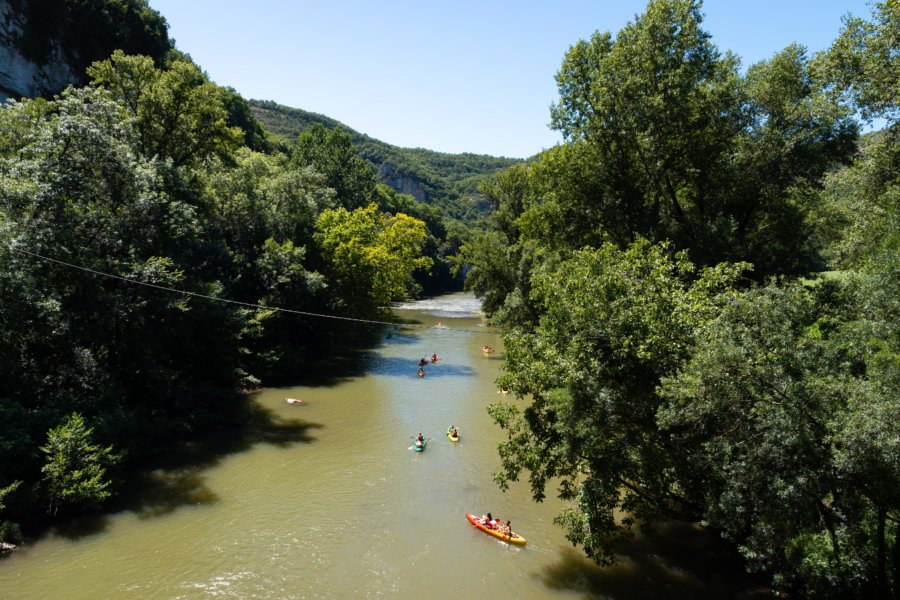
(513, 538)
(419, 447)
(453, 439)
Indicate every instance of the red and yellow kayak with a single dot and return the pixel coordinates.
(513, 538)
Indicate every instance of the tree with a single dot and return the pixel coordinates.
(669, 142)
(370, 256)
(75, 471)
(10, 533)
(864, 63)
(331, 153)
(179, 114)
(786, 413)
(612, 324)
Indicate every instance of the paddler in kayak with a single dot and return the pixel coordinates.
(453, 431)
(423, 362)
(435, 357)
(421, 373)
(488, 521)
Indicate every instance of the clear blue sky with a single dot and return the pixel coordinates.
(458, 76)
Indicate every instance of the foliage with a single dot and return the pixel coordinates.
(178, 113)
(241, 116)
(370, 256)
(10, 532)
(612, 324)
(863, 63)
(140, 179)
(654, 389)
(331, 153)
(793, 434)
(75, 471)
(669, 142)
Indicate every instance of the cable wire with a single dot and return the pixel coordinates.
(229, 301)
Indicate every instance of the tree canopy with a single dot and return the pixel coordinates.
(672, 352)
(146, 252)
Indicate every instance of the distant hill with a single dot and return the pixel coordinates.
(446, 180)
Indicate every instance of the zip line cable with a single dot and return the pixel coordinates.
(229, 301)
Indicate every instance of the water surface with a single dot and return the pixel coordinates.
(328, 500)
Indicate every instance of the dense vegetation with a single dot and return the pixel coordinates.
(670, 353)
(449, 181)
(146, 252)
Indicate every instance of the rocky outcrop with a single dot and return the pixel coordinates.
(21, 76)
(390, 175)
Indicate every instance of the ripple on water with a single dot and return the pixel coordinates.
(450, 306)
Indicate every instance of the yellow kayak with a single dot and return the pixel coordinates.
(512, 538)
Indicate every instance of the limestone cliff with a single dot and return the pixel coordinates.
(47, 45)
(21, 76)
(401, 182)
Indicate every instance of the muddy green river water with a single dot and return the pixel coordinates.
(328, 500)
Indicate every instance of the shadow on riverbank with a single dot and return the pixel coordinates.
(680, 560)
(175, 476)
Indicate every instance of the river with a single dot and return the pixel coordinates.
(328, 500)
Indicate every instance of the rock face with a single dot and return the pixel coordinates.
(401, 182)
(21, 76)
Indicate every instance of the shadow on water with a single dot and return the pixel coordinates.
(174, 477)
(398, 339)
(409, 367)
(347, 356)
(680, 560)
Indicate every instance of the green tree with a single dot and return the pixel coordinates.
(370, 256)
(75, 471)
(241, 116)
(331, 153)
(10, 532)
(669, 142)
(786, 412)
(613, 323)
(179, 114)
(863, 63)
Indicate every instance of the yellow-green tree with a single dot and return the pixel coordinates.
(370, 257)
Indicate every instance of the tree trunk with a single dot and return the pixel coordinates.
(897, 561)
(881, 584)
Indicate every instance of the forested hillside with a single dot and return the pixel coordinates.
(674, 352)
(449, 181)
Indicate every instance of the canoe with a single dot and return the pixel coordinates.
(513, 538)
(419, 448)
(453, 439)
